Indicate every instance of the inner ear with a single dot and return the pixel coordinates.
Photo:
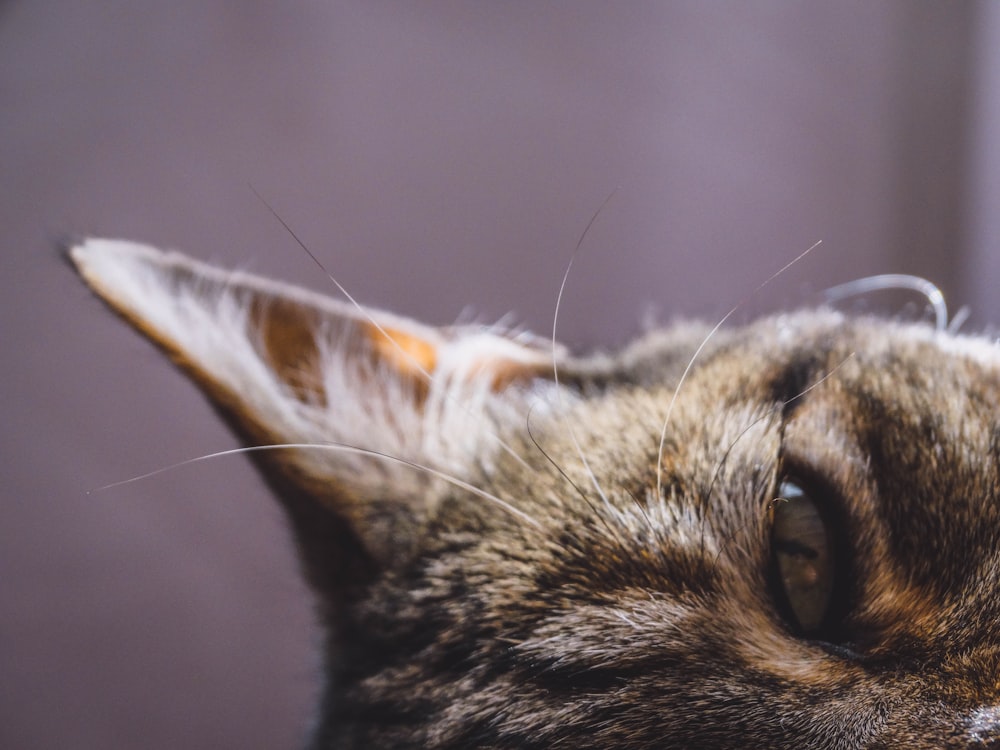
(290, 334)
(287, 333)
(407, 353)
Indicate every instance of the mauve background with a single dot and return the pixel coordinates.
(436, 156)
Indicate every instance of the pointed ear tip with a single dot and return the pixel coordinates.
(76, 249)
(63, 245)
(84, 253)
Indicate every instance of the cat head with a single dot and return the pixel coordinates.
(783, 535)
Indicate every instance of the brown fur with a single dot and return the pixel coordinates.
(603, 615)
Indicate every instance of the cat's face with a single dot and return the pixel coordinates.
(792, 542)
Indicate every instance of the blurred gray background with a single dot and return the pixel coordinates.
(439, 157)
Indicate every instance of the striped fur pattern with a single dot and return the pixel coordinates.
(503, 558)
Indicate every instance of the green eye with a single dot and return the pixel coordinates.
(802, 551)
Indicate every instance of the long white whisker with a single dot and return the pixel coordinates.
(339, 448)
(555, 363)
(959, 319)
(697, 353)
(378, 326)
(895, 281)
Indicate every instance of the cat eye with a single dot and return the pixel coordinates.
(802, 553)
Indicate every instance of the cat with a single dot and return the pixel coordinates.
(781, 535)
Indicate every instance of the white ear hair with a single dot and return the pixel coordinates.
(293, 366)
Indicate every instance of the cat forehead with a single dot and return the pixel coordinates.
(874, 354)
(899, 390)
(801, 348)
(874, 335)
(863, 379)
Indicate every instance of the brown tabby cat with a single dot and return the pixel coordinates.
(780, 536)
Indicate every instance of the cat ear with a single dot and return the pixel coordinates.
(376, 394)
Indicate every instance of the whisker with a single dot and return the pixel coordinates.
(959, 319)
(555, 465)
(583, 495)
(890, 281)
(555, 362)
(697, 353)
(361, 309)
(339, 448)
(642, 510)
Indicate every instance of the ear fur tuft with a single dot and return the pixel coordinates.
(285, 365)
